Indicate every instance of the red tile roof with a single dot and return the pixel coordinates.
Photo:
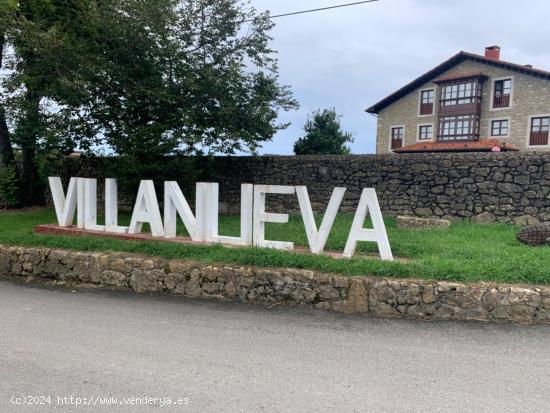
(449, 64)
(482, 145)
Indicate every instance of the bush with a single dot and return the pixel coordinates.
(9, 186)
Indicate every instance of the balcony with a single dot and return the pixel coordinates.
(460, 109)
(396, 143)
(538, 138)
(502, 101)
(426, 109)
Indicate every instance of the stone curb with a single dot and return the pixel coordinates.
(418, 299)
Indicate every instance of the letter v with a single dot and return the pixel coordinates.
(318, 239)
(64, 208)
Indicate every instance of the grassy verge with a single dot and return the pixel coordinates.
(466, 252)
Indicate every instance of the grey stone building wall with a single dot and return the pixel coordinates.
(494, 186)
(530, 96)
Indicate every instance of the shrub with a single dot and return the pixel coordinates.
(9, 186)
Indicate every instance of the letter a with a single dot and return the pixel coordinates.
(146, 210)
(369, 204)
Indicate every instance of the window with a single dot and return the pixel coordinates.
(459, 128)
(425, 132)
(461, 93)
(499, 127)
(427, 98)
(397, 136)
(503, 90)
(539, 130)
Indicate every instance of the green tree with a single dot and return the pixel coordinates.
(324, 135)
(201, 78)
(143, 78)
(43, 36)
(6, 150)
(9, 174)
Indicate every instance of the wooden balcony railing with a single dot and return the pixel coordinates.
(396, 143)
(502, 101)
(538, 138)
(457, 138)
(426, 108)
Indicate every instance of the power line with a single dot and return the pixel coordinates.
(323, 8)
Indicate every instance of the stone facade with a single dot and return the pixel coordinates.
(353, 295)
(507, 187)
(530, 96)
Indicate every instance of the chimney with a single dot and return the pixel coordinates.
(492, 52)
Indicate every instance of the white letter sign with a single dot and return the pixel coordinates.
(369, 204)
(90, 202)
(247, 199)
(261, 217)
(318, 239)
(146, 210)
(64, 207)
(175, 204)
(111, 207)
(81, 199)
(207, 211)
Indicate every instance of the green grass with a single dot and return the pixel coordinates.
(466, 252)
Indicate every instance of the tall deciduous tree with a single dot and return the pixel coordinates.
(324, 135)
(186, 76)
(45, 62)
(143, 78)
(6, 150)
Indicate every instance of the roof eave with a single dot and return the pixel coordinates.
(447, 64)
(426, 77)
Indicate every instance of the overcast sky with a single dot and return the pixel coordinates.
(352, 57)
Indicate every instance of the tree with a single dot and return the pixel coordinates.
(6, 149)
(324, 135)
(9, 174)
(201, 78)
(46, 54)
(142, 78)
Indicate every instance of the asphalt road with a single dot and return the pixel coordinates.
(227, 357)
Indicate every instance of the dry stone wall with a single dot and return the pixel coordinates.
(500, 187)
(419, 299)
(509, 187)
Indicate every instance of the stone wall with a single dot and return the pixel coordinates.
(504, 187)
(355, 295)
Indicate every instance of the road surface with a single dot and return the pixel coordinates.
(109, 347)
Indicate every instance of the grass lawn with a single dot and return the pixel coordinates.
(466, 252)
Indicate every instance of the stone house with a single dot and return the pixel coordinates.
(468, 103)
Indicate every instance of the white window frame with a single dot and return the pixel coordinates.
(418, 132)
(528, 142)
(404, 135)
(492, 101)
(490, 134)
(434, 88)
